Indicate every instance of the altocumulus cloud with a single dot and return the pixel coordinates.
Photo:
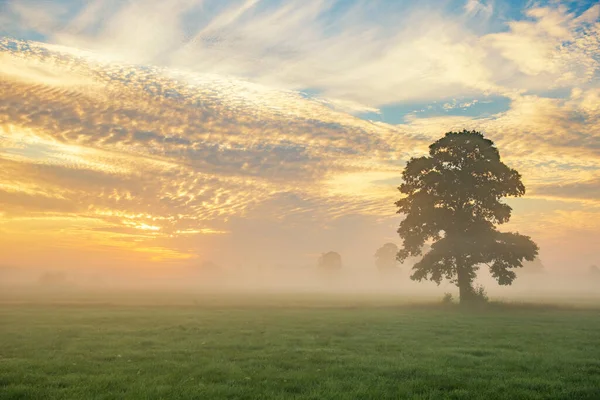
(170, 153)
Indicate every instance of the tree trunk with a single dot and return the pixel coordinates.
(465, 291)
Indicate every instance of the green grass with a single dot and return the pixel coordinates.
(266, 352)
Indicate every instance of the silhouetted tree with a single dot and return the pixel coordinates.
(385, 257)
(453, 198)
(330, 261)
(594, 270)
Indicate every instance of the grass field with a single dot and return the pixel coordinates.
(261, 351)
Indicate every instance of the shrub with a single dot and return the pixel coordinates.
(448, 298)
(480, 295)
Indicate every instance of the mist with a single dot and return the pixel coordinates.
(191, 284)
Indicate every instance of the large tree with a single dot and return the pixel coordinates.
(453, 198)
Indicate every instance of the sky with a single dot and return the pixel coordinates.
(150, 134)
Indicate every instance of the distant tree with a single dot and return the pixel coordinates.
(330, 261)
(533, 267)
(453, 198)
(385, 257)
(594, 270)
(208, 270)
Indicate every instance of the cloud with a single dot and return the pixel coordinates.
(214, 138)
(396, 54)
(479, 9)
(553, 48)
(145, 150)
(585, 190)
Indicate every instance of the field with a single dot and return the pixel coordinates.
(279, 348)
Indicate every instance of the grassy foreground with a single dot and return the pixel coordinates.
(261, 352)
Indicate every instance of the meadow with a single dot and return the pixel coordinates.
(270, 347)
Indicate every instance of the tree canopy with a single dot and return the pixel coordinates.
(453, 198)
(385, 257)
(330, 261)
